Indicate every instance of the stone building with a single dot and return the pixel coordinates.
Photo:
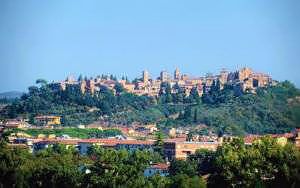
(164, 76)
(90, 85)
(47, 120)
(243, 80)
(181, 150)
(146, 77)
(177, 74)
(223, 77)
(82, 86)
(244, 73)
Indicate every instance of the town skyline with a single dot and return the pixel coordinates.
(138, 75)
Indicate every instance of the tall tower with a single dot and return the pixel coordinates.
(82, 85)
(91, 85)
(164, 76)
(244, 73)
(223, 76)
(177, 74)
(145, 76)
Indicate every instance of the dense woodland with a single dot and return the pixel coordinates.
(274, 109)
(264, 164)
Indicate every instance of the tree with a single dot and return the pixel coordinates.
(119, 88)
(194, 95)
(179, 95)
(205, 161)
(265, 163)
(80, 78)
(189, 137)
(188, 113)
(159, 143)
(33, 90)
(42, 82)
(183, 167)
(184, 181)
(196, 115)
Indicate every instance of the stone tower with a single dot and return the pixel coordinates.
(146, 76)
(177, 74)
(164, 76)
(244, 73)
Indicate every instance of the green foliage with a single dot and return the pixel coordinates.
(265, 163)
(159, 143)
(114, 168)
(184, 181)
(204, 159)
(183, 167)
(272, 110)
(76, 107)
(18, 168)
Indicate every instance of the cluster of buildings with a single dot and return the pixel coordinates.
(85, 85)
(245, 79)
(45, 121)
(173, 148)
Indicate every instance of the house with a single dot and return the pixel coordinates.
(297, 138)
(161, 169)
(86, 144)
(46, 143)
(130, 145)
(281, 139)
(47, 120)
(15, 123)
(182, 149)
(41, 145)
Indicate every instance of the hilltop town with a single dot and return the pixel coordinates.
(39, 129)
(162, 128)
(230, 102)
(244, 79)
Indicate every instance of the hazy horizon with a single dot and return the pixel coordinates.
(54, 39)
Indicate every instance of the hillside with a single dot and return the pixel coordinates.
(11, 95)
(272, 110)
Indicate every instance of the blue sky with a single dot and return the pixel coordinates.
(52, 39)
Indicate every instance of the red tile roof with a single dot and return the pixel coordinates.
(161, 166)
(252, 138)
(116, 141)
(46, 117)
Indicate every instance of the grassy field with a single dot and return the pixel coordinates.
(72, 132)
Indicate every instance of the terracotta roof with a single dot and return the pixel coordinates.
(43, 117)
(161, 166)
(98, 140)
(60, 141)
(136, 142)
(116, 141)
(180, 139)
(252, 138)
(286, 135)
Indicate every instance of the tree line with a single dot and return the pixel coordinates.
(266, 163)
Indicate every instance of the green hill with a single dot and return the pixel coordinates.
(11, 95)
(272, 110)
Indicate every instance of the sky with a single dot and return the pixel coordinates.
(52, 39)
